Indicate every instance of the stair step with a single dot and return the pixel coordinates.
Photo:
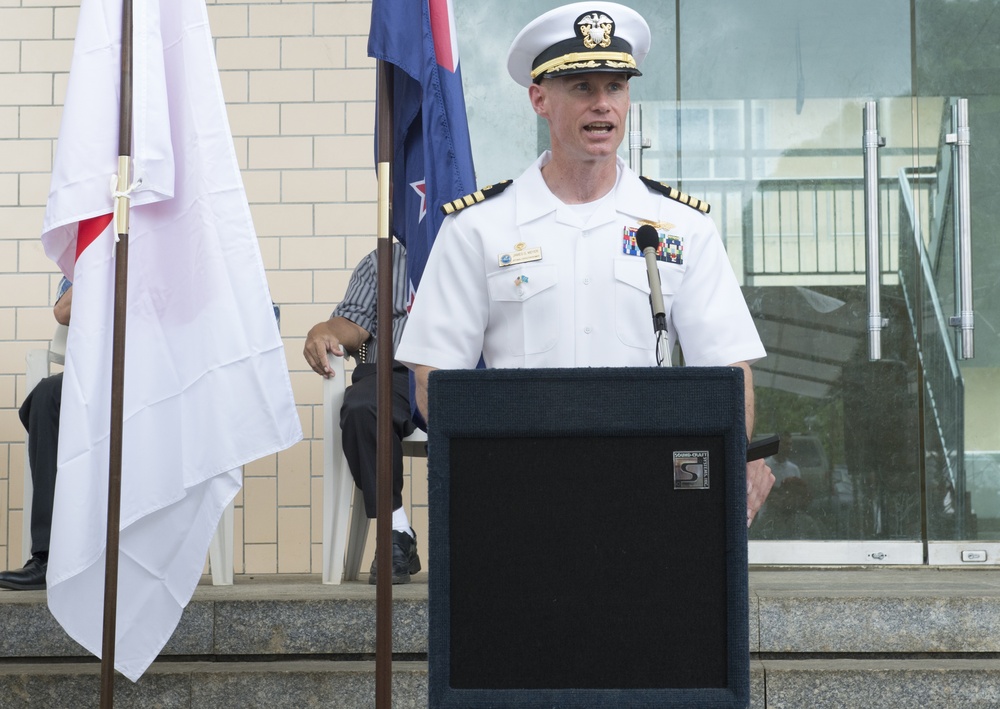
(217, 685)
(818, 684)
(282, 616)
(876, 684)
(845, 612)
(819, 638)
(856, 611)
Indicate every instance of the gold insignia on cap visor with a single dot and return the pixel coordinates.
(586, 60)
(579, 38)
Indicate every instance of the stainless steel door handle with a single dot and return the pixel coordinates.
(964, 320)
(636, 143)
(871, 142)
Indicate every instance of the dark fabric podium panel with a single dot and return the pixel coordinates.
(600, 577)
(574, 564)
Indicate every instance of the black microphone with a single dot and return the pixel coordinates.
(648, 240)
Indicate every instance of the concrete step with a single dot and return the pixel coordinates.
(294, 684)
(817, 611)
(871, 611)
(269, 616)
(819, 638)
(876, 684)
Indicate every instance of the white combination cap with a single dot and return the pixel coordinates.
(579, 38)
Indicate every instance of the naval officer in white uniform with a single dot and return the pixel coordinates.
(544, 271)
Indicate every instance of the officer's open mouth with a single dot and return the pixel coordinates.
(598, 128)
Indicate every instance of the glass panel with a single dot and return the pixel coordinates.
(506, 134)
(942, 383)
(957, 56)
(757, 107)
(770, 129)
(502, 125)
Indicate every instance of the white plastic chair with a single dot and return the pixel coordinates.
(39, 366)
(344, 534)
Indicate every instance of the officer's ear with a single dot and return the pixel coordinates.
(537, 94)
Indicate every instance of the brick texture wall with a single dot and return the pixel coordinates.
(300, 94)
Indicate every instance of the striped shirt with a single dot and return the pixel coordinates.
(64, 285)
(360, 301)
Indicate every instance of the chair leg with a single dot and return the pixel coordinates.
(358, 537)
(337, 485)
(220, 551)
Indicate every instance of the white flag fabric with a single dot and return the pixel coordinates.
(206, 382)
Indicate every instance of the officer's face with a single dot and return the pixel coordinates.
(586, 113)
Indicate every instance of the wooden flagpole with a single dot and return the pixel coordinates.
(383, 467)
(121, 208)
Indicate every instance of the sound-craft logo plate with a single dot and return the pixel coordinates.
(691, 470)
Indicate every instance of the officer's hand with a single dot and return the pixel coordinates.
(759, 483)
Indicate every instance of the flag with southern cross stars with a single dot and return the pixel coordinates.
(432, 161)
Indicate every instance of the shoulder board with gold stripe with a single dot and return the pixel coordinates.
(675, 194)
(476, 197)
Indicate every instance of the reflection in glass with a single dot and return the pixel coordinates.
(756, 107)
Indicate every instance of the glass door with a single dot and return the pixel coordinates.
(961, 396)
(768, 126)
(758, 107)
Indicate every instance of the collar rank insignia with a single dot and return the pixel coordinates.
(669, 250)
(675, 194)
(475, 198)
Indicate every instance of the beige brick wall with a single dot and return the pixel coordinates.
(300, 93)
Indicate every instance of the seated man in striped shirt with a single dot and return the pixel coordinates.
(351, 329)
(40, 415)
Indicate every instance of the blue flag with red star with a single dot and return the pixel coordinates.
(432, 155)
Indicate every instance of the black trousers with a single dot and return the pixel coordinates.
(358, 421)
(40, 415)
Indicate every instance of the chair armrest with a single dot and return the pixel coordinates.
(57, 348)
(37, 367)
(333, 388)
(337, 480)
(333, 401)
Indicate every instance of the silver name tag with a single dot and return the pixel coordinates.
(523, 256)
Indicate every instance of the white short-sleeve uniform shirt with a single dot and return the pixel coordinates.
(525, 280)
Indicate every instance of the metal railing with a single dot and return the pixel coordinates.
(944, 388)
(811, 226)
(811, 231)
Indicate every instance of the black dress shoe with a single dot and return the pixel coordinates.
(404, 559)
(30, 578)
